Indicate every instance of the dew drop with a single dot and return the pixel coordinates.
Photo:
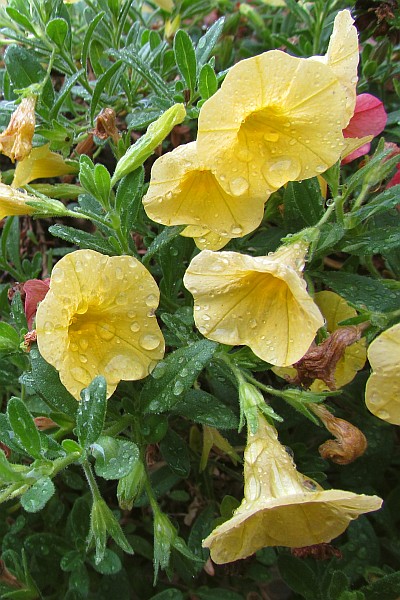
(119, 274)
(57, 275)
(81, 375)
(178, 388)
(383, 414)
(236, 230)
(238, 186)
(135, 327)
(149, 342)
(321, 168)
(105, 331)
(48, 327)
(151, 300)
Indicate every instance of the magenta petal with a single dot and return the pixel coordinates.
(35, 290)
(369, 118)
(361, 151)
(395, 179)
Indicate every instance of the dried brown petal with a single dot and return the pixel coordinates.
(106, 125)
(317, 551)
(350, 442)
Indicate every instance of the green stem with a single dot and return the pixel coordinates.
(119, 425)
(60, 463)
(91, 481)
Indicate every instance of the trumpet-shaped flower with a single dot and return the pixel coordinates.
(204, 238)
(16, 140)
(41, 163)
(13, 202)
(183, 191)
(382, 394)
(98, 319)
(260, 302)
(282, 507)
(277, 118)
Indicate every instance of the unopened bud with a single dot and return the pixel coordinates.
(130, 486)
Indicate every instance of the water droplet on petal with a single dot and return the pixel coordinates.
(238, 186)
(135, 327)
(81, 375)
(105, 331)
(149, 342)
(151, 300)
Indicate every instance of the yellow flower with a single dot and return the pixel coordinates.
(16, 140)
(277, 118)
(382, 394)
(204, 238)
(98, 319)
(260, 302)
(282, 507)
(41, 163)
(183, 191)
(13, 202)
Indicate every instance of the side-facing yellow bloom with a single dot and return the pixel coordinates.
(41, 163)
(98, 319)
(183, 191)
(16, 140)
(261, 302)
(13, 202)
(382, 394)
(282, 507)
(277, 118)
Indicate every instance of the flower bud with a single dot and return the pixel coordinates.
(165, 535)
(145, 146)
(130, 486)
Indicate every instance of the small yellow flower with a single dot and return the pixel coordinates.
(277, 118)
(261, 302)
(204, 238)
(382, 394)
(183, 191)
(41, 163)
(13, 202)
(98, 319)
(282, 507)
(16, 140)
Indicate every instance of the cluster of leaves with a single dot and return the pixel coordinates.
(67, 532)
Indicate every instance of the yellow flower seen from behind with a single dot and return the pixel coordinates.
(382, 394)
(13, 202)
(278, 118)
(41, 163)
(183, 191)
(261, 302)
(282, 507)
(98, 319)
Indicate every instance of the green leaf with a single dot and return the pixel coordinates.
(362, 292)
(175, 453)
(339, 583)
(24, 69)
(7, 473)
(385, 588)
(206, 43)
(64, 93)
(20, 19)
(298, 576)
(128, 200)
(208, 83)
(115, 458)
(91, 412)
(176, 374)
(304, 204)
(83, 239)
(88, 37)
(18, 313)
(57, 31)
(380, 204)
(102, 182)
(38, 495)
(24, 428)
(200, 407)
(165, 237)
(376, 241)
(185, 59)
(109, 565)
(46, 382)
(101, 83)
(205, 593)
(170, 594)
(9, 338)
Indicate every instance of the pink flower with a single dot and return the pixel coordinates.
(369, 119)
(35, 290)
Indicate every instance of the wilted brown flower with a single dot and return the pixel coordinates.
(350, 442)
(106, 125)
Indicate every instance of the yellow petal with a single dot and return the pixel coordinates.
(351, 144)
(260, 302)
(276, 118)
(13, 202)
(282, 507)
(98, 319)
(183, 192)
(342, 58)
(382, 394)
(41, 163)
(204, 238)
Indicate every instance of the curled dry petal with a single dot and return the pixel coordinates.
(382, 394)
(350, 442)
(98, 318)
(281, 507)
(16, 140)
(261, 302)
